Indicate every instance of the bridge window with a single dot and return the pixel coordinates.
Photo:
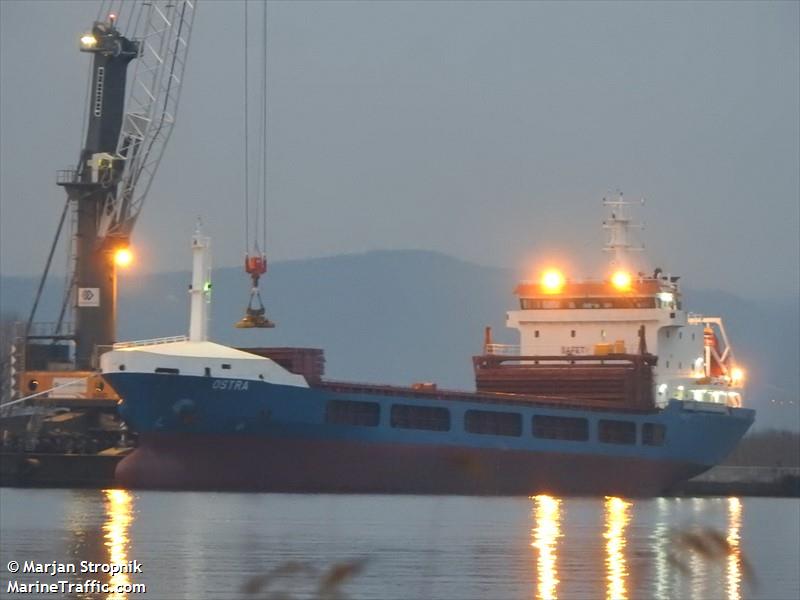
(654, 434)
(570, 303)
(560, 428)
(617, 432)
(488, 422)
(431, 418)
(350, 412)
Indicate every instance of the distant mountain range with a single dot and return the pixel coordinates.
(404, 316)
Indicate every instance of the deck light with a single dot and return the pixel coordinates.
(737, 375)
(621, 280)
(552, 281)
(88, 40)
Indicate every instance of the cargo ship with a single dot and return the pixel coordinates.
(614, 388)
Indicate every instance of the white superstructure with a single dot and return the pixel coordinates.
(627, 313)
(195, 355)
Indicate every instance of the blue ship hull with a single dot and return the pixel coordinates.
(211, 433)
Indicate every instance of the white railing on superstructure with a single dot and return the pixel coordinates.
(152, 342)
(629, 346)
(502, 349)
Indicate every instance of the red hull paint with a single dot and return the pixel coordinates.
(278, 465)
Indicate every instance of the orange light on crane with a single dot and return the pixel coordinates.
(552, 281)
(88, 40)
(621, 280)
(123, 257)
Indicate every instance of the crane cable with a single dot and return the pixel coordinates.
(265, 121)
(255, 264)
(246, 142)
(258, 225)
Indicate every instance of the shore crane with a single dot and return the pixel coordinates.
(129, 120)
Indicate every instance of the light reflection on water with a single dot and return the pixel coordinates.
(696, 580)
(735, 553)
(697, 564)
(660, 542)
(435, 548)
(617, 516)
(119, 515)
(546, 531)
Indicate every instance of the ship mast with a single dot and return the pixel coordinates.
(619, 225)
(200, 290)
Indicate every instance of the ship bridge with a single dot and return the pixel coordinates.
(595, 316)
(624, 318)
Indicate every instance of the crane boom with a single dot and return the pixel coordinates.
(150, 111)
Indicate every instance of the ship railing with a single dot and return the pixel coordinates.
(502, 349)
(48, 330)
(616, 346)
(436, 393)
(150, 342)
(64, 176)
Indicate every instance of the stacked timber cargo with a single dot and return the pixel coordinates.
(612, 380)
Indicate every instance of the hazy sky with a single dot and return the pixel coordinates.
(489, 131)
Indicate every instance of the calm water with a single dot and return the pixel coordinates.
(206, 545)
